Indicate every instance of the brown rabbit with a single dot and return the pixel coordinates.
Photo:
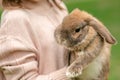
(89, 42)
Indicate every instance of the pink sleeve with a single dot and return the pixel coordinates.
(19, 62)
(18, 59)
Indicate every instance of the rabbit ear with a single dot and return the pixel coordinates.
(103, 31)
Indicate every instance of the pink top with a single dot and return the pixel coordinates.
(28, 50)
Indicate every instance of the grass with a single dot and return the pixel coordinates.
(108, 11)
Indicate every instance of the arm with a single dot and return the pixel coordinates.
(18, 59)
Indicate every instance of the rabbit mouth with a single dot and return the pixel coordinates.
(71, 43)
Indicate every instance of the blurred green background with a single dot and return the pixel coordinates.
(107, 11)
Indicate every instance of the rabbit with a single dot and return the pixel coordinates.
(89, 43)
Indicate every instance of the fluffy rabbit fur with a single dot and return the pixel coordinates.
(89, 43)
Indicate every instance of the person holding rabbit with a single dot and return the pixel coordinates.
(29, 51)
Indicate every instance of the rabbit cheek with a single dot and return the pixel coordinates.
(82, 35)
(63, 38)
(76, 35)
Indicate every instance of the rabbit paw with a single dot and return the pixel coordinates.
(73, 72)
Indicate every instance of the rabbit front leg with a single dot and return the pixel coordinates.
(75, 69)
(85, 58)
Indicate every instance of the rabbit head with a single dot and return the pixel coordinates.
(80, 27)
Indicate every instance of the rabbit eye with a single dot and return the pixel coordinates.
(77, 30)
